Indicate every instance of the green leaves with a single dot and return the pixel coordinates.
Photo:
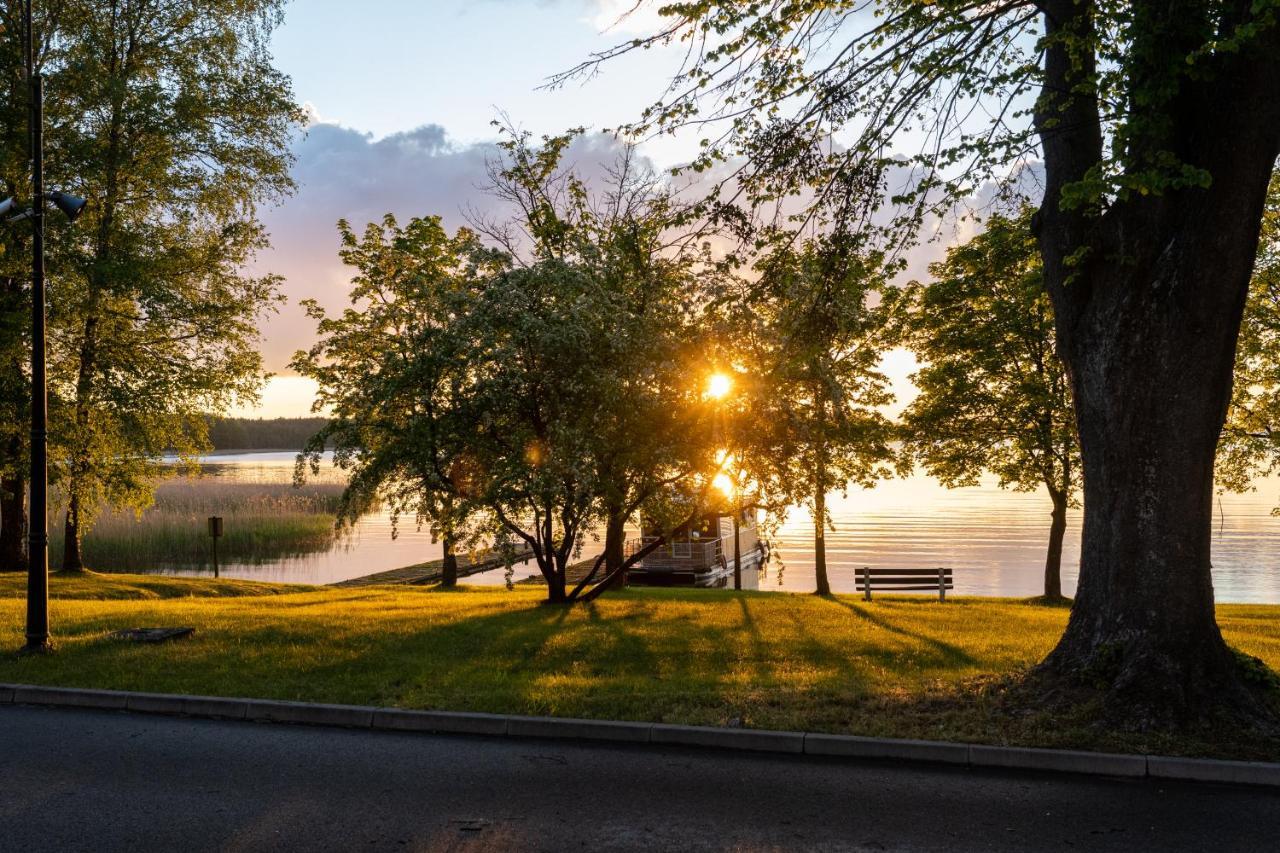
(807, 340)
(170, 119)
(529, 391)
(993, 395)
(1250, 444)
(873, 116)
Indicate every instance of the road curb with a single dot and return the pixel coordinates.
(571, 729)
(750, 740)
(1059, 760)
(440, 722)
(1209, 770)
(852, 746)
(1255, 773)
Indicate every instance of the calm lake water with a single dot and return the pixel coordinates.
(994, 539)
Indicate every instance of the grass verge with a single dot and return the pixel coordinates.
(904, 667)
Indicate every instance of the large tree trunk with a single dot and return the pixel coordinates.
(1148, 297)
(81, 462)
(449, 565)
(1149, 412)
(820, 504)
(1053, 558)
(13, 524)
(1148, 331)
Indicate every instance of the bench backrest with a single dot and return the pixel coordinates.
(903, 580)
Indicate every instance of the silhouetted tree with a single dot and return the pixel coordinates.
(993, 395)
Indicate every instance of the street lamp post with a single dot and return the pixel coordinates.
(38, 533)
(71, 206)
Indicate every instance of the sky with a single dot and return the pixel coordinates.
(401, 95)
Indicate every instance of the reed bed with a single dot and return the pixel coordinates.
(262, 522)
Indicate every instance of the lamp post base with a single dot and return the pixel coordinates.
(36, 647)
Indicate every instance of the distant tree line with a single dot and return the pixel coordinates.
(262, 433)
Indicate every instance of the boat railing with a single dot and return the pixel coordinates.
(685, 554)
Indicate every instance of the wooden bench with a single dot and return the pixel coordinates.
(899, 580)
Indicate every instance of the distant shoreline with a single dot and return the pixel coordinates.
(170, 458)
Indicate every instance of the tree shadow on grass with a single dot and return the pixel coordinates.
(951, 655)
(622, 659)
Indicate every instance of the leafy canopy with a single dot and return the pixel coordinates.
(993, 395)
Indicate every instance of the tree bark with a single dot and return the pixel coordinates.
(615, 540)
(1053, 559)
(820, 540)
(1148, 297)
(556, 591)
(72, 560)
(449, 567)
(13, 524)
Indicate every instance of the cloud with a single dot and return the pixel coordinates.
(626, 17)
(345, 174)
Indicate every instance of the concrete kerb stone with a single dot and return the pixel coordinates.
(571, 729)
(155, 703)
(756, 740)
(217, 707)
(349, 716)
(1059, 760)
(70, 697)
(446, 722)
(1214, 770)
(882, 748)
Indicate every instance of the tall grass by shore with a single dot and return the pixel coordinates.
(262, 522)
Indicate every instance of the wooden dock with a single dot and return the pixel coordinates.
(573, 574)
(433, 570)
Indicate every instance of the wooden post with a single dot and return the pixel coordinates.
(215, 530)
(737, 550)
(942, 584)
(866, 582)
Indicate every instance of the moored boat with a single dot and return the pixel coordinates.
(700, 553)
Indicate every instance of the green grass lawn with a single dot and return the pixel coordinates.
(904, 667)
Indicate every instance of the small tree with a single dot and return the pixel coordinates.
(390, 371)
(993, 393)
(809, 420)
(622, 240)
(1250, 444)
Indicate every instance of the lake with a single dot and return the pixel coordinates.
(994, 539)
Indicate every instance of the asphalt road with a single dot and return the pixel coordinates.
(100, 781)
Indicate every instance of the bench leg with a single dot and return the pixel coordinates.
(942, 586)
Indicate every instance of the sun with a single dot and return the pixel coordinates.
(724, 483)
(718, 386)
